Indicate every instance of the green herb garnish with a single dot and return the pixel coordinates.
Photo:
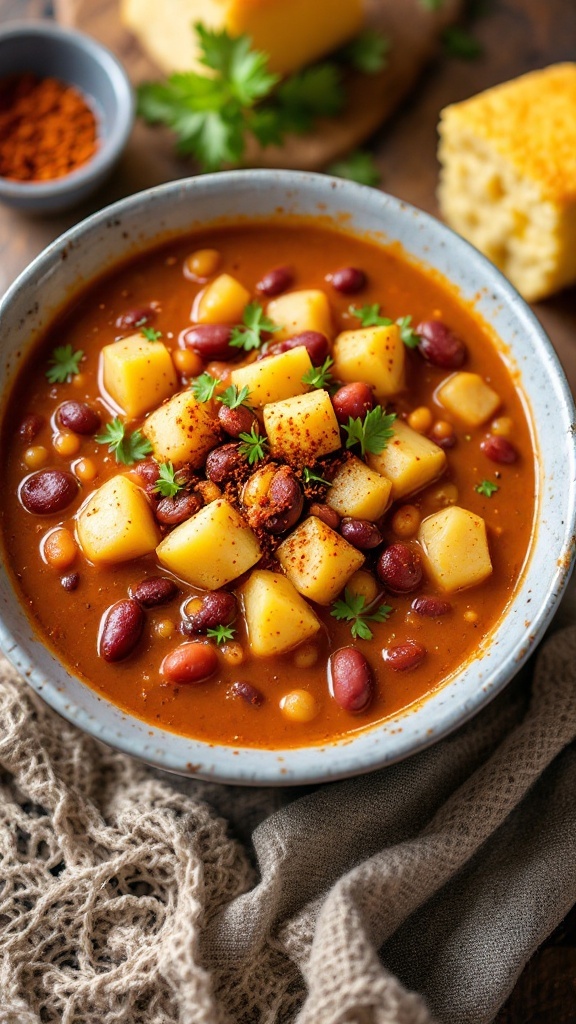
(460, 43)
(150, 334)
(432, 5)
(248, 334)
(370, 316)
(319, 376)
(407, 332)
(204, 386)
(233, 397)
(310, 477)
(253, 446)
(352, 609)
(372, 432)
(221, 633)
(358, 166)
(167, 484)
(128, 448)
(367, 52)
(486, 488)
(63, 364)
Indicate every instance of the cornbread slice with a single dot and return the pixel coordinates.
(508, 177)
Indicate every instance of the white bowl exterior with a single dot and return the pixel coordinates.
(174, 209)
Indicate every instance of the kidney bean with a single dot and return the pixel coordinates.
(361, 533)
(431, 606)
(248, 693)
(498, 449)
(189, 663)
(223, 462)
(121, 628)
(153, 591)
(210, 341)
(219, 608)
(352, 400)
(48, 491)
(79, 417)
(439, 345)
(399, 568)
(31, 425)
(140, 316)
(172, 511)
(275, 281)
(315, 343)
(406, 656)
(286, 499)
(446, 442)
(347, 280)
(149, 473)
(237, 421)
(328, 515)
(352, 679)
(70, 581)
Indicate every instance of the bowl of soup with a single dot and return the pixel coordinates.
(288, 478)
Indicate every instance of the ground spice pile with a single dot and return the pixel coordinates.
(47, 129)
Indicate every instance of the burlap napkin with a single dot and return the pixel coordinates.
(133, 898)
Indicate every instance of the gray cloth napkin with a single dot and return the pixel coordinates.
(410, 895)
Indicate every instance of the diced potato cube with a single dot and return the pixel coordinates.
(307, 310)
(182, 430)
(455, 548)
(469, 397)
(274, 378)
(138, 374)
(318, 561)
(210, 549)
(303, 428)
(222, 301)
(374, 355)
(277, 618)
(116, 524)
(359, 491)
(410, 461)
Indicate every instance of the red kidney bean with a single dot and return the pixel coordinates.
(399, 568)
(315, 343)
(210, 341)
(328, 515)
(275, 281)
(70, 581)
(121, 628)
(172, 511)
(498, 449)
(79, 417)
(48, 491)
(153, 591)
(352, 400)
(431, 606)
(237, 421)
(446, 442)
(149, 472)
(223, 462)
(31, 425)
(347, 280)
(219, 608)
(352, 679)
(406, 656)
(140, 316)
(189, 663)
(286, 500)
(248, 693)
(439, 345)
(361, 533)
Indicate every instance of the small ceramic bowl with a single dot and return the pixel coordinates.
(180, 207)
(45, 49)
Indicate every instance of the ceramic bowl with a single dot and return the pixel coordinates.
(45, 49)
(179, 207)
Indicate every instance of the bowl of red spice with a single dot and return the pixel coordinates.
(66, 111)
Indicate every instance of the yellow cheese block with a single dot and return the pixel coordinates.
(455, 548)
(410, 461)
(138, 374)
(116, 524)
(292, 32)
(277, 617)
(274, 378)
(210, 549)
(318, 561)
(303, 428)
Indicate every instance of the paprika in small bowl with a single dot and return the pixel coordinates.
(66, 111)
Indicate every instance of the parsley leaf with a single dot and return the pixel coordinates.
(204, 387)
(372, 433)
(150, 334)
(310, 477)
(167, 484)
(459, 43)
(253, 446)
(319, 376)
(314, 92)
(369, 316)
(367, 52)
(128, 448)
(63, 364)
(221, 633)
(248, 334)
(432, 5)
(357, 166)
(234, 396)
(407, 332)
(486, 488)
(352, 609)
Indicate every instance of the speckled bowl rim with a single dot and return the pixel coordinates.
(427, 242)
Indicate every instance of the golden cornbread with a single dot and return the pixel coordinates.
(508, 177)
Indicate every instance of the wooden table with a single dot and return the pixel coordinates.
(517, 35)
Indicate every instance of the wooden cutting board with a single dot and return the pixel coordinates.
(414, 34)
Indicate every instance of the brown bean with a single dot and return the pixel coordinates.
(237, 421)
(190, 663)
(328, 515)
(275, 281)
(403, 657)
(210, 341)
(315, 343)
(352, 400)
(172, 511)
(286, 499)
(347, 280)
(219, 608)
(79, 417)
(352, 680)
(223, 462)
(439, 345)
(361, 533)
(446, 443)
(31, 426)
(137, 317)
(149, 472)
(431, 606)
(154, 590)
(48, 491)
(248, 693)
(70, 581)
(498, 449)
(399, 568)
(120, 630)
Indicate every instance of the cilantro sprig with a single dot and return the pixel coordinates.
(248, 334)
(234, 397)
(357, 166)
(64, 363)
(370, 316)
(353, 609)
(372, 432)
(127, 448)
(253, 446)
(167, 483)
(407, 332)
(221, 634)
(150, 334)
(367, 52)
(310, 477)
(204, 386)
(486, 488)
(320, 376)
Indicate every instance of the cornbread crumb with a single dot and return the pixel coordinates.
(508, 177)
